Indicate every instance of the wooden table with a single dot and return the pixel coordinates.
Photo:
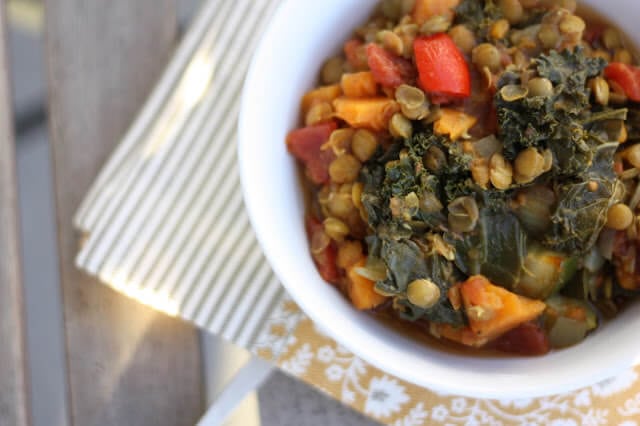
(127, 365)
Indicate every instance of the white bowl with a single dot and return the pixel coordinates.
(301, 36)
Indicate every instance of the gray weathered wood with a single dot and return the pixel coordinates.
(128, 365)
(13, 395)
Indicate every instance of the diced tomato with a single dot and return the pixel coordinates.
(527, 339)
(388, 69)
(326, 263)
(618, 167)
(626, 260)
(593, 32)
(491, 124)
(442, 68)
(440, 99)
(356, 54)
(325, 260)
(305, 144)
(627, 76)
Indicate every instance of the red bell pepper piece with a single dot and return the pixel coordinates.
(443, 71)
(526, 339)
(627, 76)
(388, 69)
(305, 144)
(325, 260)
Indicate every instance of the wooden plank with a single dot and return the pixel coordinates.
(128, 365)
(13, 394)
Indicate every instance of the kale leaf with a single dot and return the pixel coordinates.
(398, 196)
(571, 69)
(565, 124)
(496, 248)
(530, 121)
(554, 122)
(478, 15)
(399, 173)
(582, 210)
(406, 262)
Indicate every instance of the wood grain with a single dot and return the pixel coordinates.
(128, 365)
(13, 391)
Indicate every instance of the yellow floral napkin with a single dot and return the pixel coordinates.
(310, 355)
(165, 224)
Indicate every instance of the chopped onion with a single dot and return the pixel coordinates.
(594, 261)
(371, 274)
(606, 242)
(319, 242)
(635, 199)
(486, 147)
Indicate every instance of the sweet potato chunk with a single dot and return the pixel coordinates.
(321, 94)
(371, 113)
(493, 310)
(359, 85)
(453, 123)
(361, 290)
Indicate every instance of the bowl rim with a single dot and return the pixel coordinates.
(348, 337)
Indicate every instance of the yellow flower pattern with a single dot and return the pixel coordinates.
(310, 355)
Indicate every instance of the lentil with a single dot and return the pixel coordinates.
(356, 194)
(572, 24)
(499, 29)
(632, 155)
(513, 92)
(436, 24)
(319, 113)
(434, 159)
(600, 90)
(611, 38)
(463, 214)
(423, 293)
(410, 96)
(339, 205)
(480, 172)
(335, 228)
(529, 165)
(364, 144)
(548, 36)
(486, 55)
(400, 126)
(332, 70)
(463, 38)
(349, 253)
(391, 41)
(344, 169)
(540, 87)
(622, 55)
(340, 141)
(500, 172)
(513, 10)
(619, 217)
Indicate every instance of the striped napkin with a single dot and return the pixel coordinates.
(165, 223)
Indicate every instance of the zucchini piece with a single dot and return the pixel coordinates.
(545, 273)
(567, 332)
(568, 321)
